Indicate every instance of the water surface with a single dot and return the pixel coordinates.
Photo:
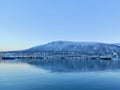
(59, 75)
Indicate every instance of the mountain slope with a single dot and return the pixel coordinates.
(118, 44)
(83, 47)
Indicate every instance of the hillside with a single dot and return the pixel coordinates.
(83, 47)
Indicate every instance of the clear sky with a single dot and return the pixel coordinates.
(27, 23)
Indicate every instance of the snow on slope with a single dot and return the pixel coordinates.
(118, 44)
(83, 47)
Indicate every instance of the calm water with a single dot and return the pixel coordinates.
(59, 75)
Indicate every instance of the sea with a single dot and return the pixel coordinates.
(59, 74)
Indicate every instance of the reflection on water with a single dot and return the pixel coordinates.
(70, 65)
(43, 75)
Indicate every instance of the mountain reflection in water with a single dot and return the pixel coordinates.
(70, 65)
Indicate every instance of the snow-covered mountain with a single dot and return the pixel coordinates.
(83, 47)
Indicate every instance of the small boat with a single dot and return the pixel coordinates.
(105, 58)
(8, 58)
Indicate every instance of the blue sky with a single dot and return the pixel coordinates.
(27, 23)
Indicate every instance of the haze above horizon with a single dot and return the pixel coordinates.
(28, 23)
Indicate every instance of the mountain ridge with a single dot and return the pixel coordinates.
(83, 47)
